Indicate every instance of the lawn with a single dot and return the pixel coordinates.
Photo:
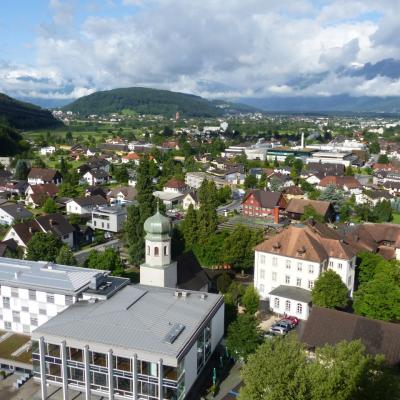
(396, 218)
(11, 344)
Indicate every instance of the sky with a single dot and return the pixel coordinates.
(59, 49)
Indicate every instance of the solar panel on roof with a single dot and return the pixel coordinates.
(173, 334)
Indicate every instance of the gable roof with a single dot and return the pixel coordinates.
(49, 189)
(296, 206)
(129, 192)
(190, 274)
(95, 200)
(313, 242)
(46, 174)
(97, 173)
(349, 181)
(265, 198)
(16, 211)
(55, 223)
(378, 337)
(175, 184)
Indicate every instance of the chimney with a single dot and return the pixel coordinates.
(302, 140)
(276, 215)
(30, 229)
(51, 222)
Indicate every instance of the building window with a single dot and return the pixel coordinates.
(287, 305)
(276, 302)
(262, 288)
(148, 250)
(349, 281)
(32, 294)
(310, 284)
(6, 302)
(14, 292)
(331, 263)
(262, 259)
(274, 276)
(298, 282)
(287, 279)
(16, 316)
(99, 359)
(288, 264)
(262, 273)
(274, 261)
(50, 298)
(25, 309)
(34, 321)
(156, 251)
(340, 266)
(42, 312)
(165, 251)
(311, 269)
(68, 300)
(299, 308)
(299, 266)
(7, 325)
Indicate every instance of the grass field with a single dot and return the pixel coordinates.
(14, 342)
(396, 218)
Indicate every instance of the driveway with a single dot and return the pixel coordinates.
(82, 255)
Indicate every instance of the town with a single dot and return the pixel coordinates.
(199, 201)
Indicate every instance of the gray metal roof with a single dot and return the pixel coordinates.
(42, 275)
(293, 293)
(137, 319)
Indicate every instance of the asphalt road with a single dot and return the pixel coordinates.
(234, 205)
(82, 255)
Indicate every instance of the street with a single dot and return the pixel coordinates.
(82, 255)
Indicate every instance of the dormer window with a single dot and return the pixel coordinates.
(301, 251)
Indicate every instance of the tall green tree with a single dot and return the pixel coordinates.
(108, 259)
(43, 247)
(21, 170)
(369, 265)
(250, 182)
(207, 213)
(311, 213)
(244, 336)
(329, 291)
(190, 227)
(238, 247)
(251, 300)
(50, 206)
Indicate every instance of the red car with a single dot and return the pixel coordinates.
(293, 319)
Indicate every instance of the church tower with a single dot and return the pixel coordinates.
(158, 270)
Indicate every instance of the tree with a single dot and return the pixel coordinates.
(243, 337)
(65, 256)
(369, 265)
(250, 181)
(21, 170)
(382, 211)
(43, 247)
(69, 190)
(349, 171)
(238, 247)
(224, 194)
(63, 167)
(332, 194)
(383, 159)
(275, 184)
(379, 298)
(330, 291)
(276, 371)
(68, 137)
(189, 228)
(134, 235)
(207, 214)
(108, 259)
(223, 282)
(374, 147)
(50, 206)
(251, 300)
(39, 163)
(311, 213)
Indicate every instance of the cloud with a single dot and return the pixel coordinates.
(215, 49)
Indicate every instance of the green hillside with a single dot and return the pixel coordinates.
(150, 101)
(20, 115)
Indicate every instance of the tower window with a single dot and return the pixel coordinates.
(165, 250)
(148, 250)
(156, 251)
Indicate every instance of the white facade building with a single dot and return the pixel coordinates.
(109, 218)
(47, 150)
(287, 266)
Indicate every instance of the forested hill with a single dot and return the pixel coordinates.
(20, 115)
(152, 101)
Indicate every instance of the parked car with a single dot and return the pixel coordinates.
(295, 320)
(288, 321)
(278, 330)
(269, 335)
(284, 324)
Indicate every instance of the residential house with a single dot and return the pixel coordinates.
(94, 164)
(85, 205)
(95, 177)
(378, 337)
(9, 248)
(293, 192)
(295, 209)
(287, 265)
(346, 183)
(392, 187)
(122, 195)
(194, 180)
(175, 186)
(14, 187)
(131, 157)
(261, 203)
(39, 176)
(325, 169)
(109, 218)
(95, 190)
(373, 197)
(36, 195)
(55, 223)
(44, 151)
(11, 213)
(191, 198)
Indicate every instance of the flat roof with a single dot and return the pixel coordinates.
(114, 209)
(46, 276)
(168, 196)
(137, 319)
(293, 293)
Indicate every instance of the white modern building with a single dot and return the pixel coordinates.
(109, 218)
(332, 157)
(44, 151)
(33, 292)
(84, 205)
(287, 265)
